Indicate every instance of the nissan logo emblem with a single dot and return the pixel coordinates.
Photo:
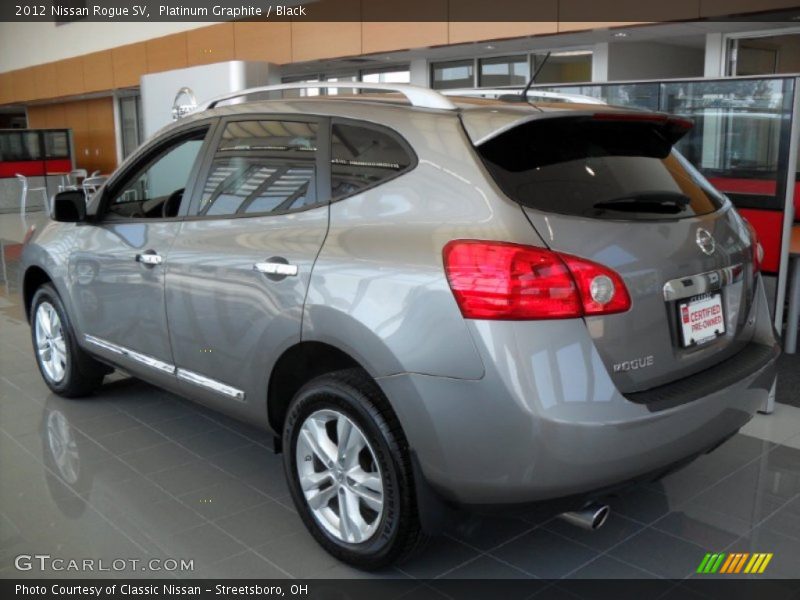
(705, 241)
(189, 103)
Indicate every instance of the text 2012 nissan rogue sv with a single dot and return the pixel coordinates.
(436, 303)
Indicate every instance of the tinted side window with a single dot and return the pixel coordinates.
(156, 190)
(362, 157)
(262, 167)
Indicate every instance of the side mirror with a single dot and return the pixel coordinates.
(69, 206)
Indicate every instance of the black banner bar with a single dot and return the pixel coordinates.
(727, 587)
(563, 11)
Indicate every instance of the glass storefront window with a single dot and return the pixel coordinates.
(737, 130)
(764, 55)
(639, 95)
(563, 67)
(388, 75)
(382, 75)
(335, 78)
(503, 71)
(453, 74)
(301, 93)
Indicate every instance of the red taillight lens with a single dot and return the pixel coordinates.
(602, 290)
(758, 249)
(502, 281)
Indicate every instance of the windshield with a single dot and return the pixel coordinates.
(598, 169)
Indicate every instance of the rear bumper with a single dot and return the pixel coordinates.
(553, 425)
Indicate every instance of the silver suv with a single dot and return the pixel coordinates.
(433, 302)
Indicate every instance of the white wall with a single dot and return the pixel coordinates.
(653, 60)
(600, 62)
(205, 81)
(27, 44)
(419, 71)
(715, 55)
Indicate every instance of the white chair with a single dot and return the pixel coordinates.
(72, 178)
(24, 196)
(92, 183)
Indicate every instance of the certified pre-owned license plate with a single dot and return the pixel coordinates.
(701, 319)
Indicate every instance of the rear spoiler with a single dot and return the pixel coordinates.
(671, 127)
(482, 126)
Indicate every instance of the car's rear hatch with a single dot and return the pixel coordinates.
(609, 188)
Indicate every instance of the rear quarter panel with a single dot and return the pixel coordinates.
(378, 290)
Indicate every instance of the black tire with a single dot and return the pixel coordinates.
(355, 395)
(82, 373)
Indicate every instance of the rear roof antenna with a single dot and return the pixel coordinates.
(523, 96)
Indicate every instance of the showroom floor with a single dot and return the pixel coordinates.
(134, 472)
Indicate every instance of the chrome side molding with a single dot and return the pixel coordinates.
(104, 345)
(702, 283)
(144, 359)
(159, 365)
(149, 361)
(211, 384)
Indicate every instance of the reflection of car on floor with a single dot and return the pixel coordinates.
(76, 480)
(457, 303)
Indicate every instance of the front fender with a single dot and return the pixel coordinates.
(49, 250)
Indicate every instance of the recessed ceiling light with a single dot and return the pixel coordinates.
(490, 47)
(620, 34)
(572, 53)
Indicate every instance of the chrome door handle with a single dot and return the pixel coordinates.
(149, 259)
(276, 268)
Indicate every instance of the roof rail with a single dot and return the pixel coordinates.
(418, 96)
(532, 93)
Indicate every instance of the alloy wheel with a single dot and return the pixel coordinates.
(339, 476)
(50, 342)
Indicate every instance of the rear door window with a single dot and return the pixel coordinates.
(262, 166)
(600, 169)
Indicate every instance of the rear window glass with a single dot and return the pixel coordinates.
(597, 169)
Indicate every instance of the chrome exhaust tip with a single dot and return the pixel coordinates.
(591, 517)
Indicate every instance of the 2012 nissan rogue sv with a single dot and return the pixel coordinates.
(434, 302)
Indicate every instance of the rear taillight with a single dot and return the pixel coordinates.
(503, 281)
(756, 247)
(602, 290)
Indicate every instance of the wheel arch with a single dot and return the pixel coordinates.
(35, 276)
(296, 366)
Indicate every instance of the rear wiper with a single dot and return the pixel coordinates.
(668, 203)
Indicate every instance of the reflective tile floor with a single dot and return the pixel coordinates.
(135, 473)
